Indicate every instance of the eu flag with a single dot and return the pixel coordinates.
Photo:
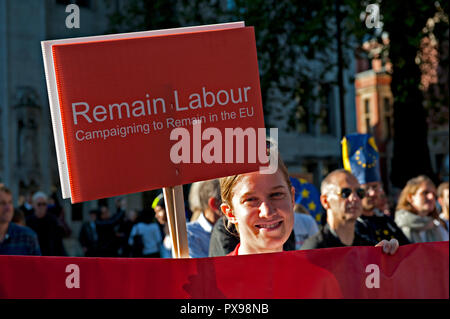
(307, 195)
(360, 156)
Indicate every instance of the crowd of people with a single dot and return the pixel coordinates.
(242, 214)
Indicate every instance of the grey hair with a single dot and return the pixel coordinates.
(38, 195)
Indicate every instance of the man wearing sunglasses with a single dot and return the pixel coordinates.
(341, 196)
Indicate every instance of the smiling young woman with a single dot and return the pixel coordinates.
(261, 206)
(416, 211)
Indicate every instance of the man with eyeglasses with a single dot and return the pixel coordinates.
(341, 196)
(14, 239)
(46, 226)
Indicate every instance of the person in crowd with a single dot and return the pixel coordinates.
(194, 201)
(145, 237)
(50, 233)
(124, 232)
(25, 204)
(360, 157)
(341, 196)
(383, 203)
(160, 213)
(14, 239)
(19, 217)
(121, 204)
(305, 225)
(261, 207)
(108, 243)
(199, 231)
(416, 212)
(55, 208)
(442, 194)
(88, 235)
(373, 223)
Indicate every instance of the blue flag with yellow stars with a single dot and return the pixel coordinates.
(360, 156)
(307, 195)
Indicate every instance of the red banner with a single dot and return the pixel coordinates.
(415, 271)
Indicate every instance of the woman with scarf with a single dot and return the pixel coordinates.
(416, 212)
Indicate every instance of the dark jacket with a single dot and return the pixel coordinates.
(89, 238)
(50, 234)
(378, 227)
(325, 238)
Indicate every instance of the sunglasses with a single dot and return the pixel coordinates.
(346, 192)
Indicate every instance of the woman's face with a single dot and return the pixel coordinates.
(263, 210)
(424, 199)
(160, 215)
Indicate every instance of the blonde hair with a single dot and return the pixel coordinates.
(411, 188)
(440, 191)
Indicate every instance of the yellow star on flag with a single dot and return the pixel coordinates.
(312, 206)
(305, 193)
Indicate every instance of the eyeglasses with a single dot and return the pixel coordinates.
(346, 192)
(42, 204)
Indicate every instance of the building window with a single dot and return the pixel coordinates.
(367, 115)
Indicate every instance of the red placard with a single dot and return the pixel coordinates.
(121, 99)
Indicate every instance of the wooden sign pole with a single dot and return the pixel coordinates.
(176, 218)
